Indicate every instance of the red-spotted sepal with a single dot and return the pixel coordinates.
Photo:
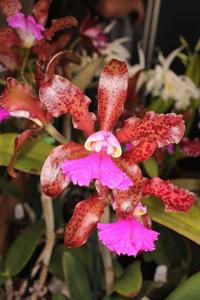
(163, 129)
(112, 92)
(87, 214)
(173, 197)
(53, 180)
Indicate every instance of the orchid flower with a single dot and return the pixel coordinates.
(163, 82)
(116, 173)
(28, 29)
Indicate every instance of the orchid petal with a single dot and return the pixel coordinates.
(60, 24)
(127, 237)
(163, 129)
(140, 152)
(86, 215)
(40, 11)
(96, 166)
(60, 96)
(17, 98)
(190, 147)
(112, 93)
(173, 197)
(53, 181)
(10, 7)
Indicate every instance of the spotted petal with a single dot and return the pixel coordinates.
(141, 151)
(163, 129)
(96, 166)
(127, 237)
(190, 147)
(53, 181)
(40, 11)
(60, 96)
(126, 201)
(18, 100)
(112, 93)
(86, 215)
(60, 24)
(173, 197)
(10, 7)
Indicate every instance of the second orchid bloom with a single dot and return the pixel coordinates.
(117, 176)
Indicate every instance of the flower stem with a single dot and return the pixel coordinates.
(106, 256)
(94, 265)
(24, 63)
(55, 133)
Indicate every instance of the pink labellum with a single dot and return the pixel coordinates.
(127, 237)
(96, 166)
(4, 114)
(98, 38)
(28, 29)
(173, 197)
(86, 215)
(190, 147)
(112, 92)
(162, 129)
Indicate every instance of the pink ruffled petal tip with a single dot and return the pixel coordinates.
(96, 166)
(4, 114)
(127, 237)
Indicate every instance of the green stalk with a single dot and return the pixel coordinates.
(55, 133)
(25, 54)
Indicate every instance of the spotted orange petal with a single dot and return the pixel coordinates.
(17, 98)
(173, 197)
(60, 96)
(190, 147)
(60, 24)
(87, 214)
(126, 201)
(53, 181)
(164, 129)
(112, 92)
(40, 11)
(10, 7)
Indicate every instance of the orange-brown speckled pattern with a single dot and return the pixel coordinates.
(173, 197)
(8, 38)
(60, 96)
(53, 181)
(40, 11)
(126, 201)
(87, 214)
(112, 92)
(18, 97)
(60, 24)
(190, 147)
(140, 152)
(10, 7)
(163, 129)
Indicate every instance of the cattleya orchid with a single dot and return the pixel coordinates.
(118, 178)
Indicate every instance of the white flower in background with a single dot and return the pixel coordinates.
(163, 82)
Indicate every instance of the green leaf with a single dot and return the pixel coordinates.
(187, 183)
(186, 224)
(22, 249)
(189, 289)
(159, 105)
(130, 283)
(30, 159)
(59, 296)
(76, 278)
(151, 167)
(84, 77)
